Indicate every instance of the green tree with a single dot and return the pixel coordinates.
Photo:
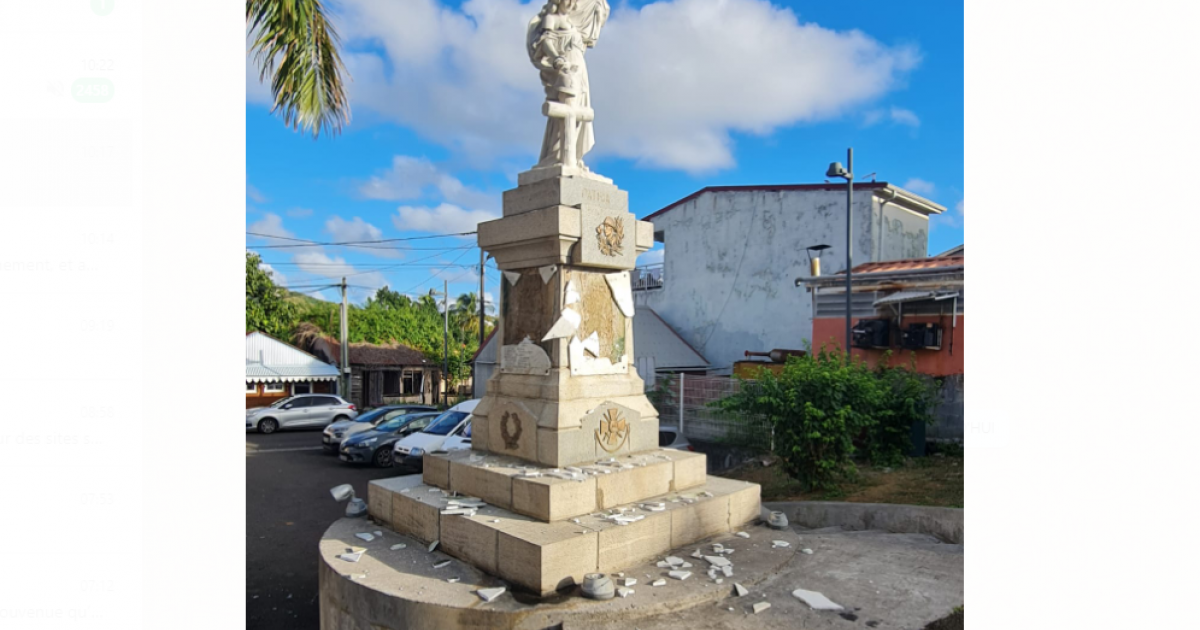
(267, 308)
(296, 50)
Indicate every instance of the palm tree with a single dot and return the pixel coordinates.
(465, 312)
(296, 46)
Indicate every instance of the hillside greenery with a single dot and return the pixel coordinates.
(386, 317)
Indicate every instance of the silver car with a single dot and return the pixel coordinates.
(297, 412)
(338, 431)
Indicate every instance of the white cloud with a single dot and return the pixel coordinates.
(958, 207)
(412, 178)
(271, 225)
(342, 230)
(652, 257)
(919, 186)
(895, 115)
(318, 263)
(276, 277)
(255, 195)
(672, 80)
(445, 218)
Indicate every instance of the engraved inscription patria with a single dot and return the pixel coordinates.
(611, 234)
(613, 431)
(596, 196)
(511, 440)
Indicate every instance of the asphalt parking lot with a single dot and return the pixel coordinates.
(288, 507)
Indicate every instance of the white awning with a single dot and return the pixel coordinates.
(258, 373)
(914, 296)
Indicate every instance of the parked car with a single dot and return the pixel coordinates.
(338, 431)
(408, 453)
(374, 446)
(296, 412)
(671, 437)
(462, 440)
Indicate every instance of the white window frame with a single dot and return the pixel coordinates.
(273, 388)
(251, 388)
(308, 383)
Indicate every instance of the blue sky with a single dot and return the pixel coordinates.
(688, 93)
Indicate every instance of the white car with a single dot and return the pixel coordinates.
(408, 453)
(459, 441)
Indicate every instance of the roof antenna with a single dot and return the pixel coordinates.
(872, 176)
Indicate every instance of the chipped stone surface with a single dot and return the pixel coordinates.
(761, 606)
(659, 582)
(490, 594)
(679, 575)
(621, 291)
(524, 358)
(740, 590)
(547, 272)
(566, 325)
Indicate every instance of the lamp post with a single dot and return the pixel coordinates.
(847, 173)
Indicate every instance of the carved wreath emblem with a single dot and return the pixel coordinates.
(613, 431)
(511, 440)
(610, 234)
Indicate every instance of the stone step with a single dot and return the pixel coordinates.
(605, 484)
(543, 557)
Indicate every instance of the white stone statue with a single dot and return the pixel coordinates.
(556, 40)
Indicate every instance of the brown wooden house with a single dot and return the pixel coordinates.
(275, 370)
(379, 374)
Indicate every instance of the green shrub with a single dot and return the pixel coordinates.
(825, 407)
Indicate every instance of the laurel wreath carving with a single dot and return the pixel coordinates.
(613, 431)
(511, 441)
(611, 234)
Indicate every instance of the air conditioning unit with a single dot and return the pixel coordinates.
(871, 333)
(922, 336)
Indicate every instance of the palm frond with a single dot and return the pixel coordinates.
(296, 50)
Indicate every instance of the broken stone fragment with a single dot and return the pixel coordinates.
(441, 564)
(679, 575)
(815, 600)
(398, 546)
(452, 580)
(365, 536)
(351, 557)
(674, 560)
(742, 535)
(717, 561)
(719, 580)
(780, 543)
(433, 545)
(624, 592)
(685, 565)
(697, 554)
(489, 594)
(761, 606)
(629, 581)
(740, 590)
(807, 552)
(378, 534)
(727, 570)
(658, 583)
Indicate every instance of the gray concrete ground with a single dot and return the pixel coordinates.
(288, 508)
(885, 581)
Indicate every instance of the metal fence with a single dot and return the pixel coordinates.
(683, 400)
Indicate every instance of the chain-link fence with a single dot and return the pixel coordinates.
(683, 400)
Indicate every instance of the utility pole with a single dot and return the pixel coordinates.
(482, 301)
(849, 237)
(345, 328)
(446, 339)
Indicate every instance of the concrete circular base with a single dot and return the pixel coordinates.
(411, 587)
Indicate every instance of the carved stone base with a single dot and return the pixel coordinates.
(535, 174)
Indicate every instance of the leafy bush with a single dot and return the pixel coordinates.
(825, 408)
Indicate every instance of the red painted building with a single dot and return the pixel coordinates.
(912, 307)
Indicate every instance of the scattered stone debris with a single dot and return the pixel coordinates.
(458, 511)
(433, 545)
(780, 543)
(452, 580)
(441, 564)
(727, 570)
(742, 535)
(378, 534)
(685, 565)
(679, 575)
(351, 557)
(698, 554)
(719, 580)
(807, 552)
(718, 561)
(435, 489)
(398, 546)
(624, 592)
(365, 536)
(489, 594)
(658, 583)
(815, 600)
(761, 606)
(629, 582)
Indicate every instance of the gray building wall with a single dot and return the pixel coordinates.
(732, 257)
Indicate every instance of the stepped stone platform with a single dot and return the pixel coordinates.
(543, 555)
(390, 589)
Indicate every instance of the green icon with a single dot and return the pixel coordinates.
(102, 7)
(98, 90)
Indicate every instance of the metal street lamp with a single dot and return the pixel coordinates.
(445, 335)
(847, 173)
(814, 259)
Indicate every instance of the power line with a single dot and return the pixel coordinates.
(309, 243)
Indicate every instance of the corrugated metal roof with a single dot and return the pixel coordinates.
(905, 296)
(270, 359)
(909, 264)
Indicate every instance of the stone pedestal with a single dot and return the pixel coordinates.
(565, 443)
(567, 391)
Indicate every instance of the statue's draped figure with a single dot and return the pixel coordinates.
(556, 41)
